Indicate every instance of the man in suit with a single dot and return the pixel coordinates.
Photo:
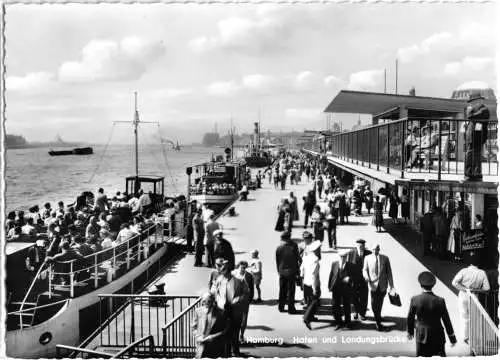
(209, 328)
(427, 230)
(340, 283)
(378, 274)
(287, 264)
(360, 296)
(230, 295)
(223, 249)
(430, 311)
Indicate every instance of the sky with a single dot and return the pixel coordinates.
(73, 69)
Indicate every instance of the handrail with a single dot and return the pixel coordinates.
(483, 311)
(82, 350)
(130, 347)
(182, 313)
(147, 296)
(37, 307)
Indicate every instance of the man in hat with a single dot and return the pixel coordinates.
(378, 274)
(431, 313)
(223, 249)
(309, 271)
(210, 228)
(476, 133)
(287, 264)
(340, 283)
(360, 293)
(199, 236)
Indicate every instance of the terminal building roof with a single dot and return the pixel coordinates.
(361, 102)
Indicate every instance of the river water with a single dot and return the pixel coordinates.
(33, 177)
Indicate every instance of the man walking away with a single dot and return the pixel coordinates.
(430, 311)
(199, 236)
(287, 264)
(427, 231)
(378, 274)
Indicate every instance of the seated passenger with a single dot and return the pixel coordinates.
(16, 234)
(81, 246)
(125, 233)
(67, 254)
(29, 229)
(427, 142)
(47, 211)
(106, 240)
(244, 192)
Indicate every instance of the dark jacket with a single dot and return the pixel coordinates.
(223, 249)
(427, 224)
(430, 311)
(341, 278)
(358, 263)
(287, 259)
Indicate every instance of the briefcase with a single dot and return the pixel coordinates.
(395, 299)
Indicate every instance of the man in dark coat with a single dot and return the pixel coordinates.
(199, 235)
(360, 296)
(210, 329)
(430, 311)
(223, 249)
(287, 264)
(476, 133)
(427, 231)
(340, 283)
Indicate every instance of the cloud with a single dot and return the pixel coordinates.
(223, 88)
(30, 82)
(333, 81)
(261, 33)
(473, 85)
(365, 79)
(409, 53)
(305, 80)
(107, 60)
(467, 65)
(259, 82)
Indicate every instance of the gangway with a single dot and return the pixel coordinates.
(142, 326)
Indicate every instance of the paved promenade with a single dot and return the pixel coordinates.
(282, 335)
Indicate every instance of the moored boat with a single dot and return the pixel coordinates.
(76, 151)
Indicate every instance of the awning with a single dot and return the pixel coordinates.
(360, 102)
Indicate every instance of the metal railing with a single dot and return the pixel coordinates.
(484, 335)
(137, 316)
(143, 346)
(63, 350)
(178, 336)
(413, 145)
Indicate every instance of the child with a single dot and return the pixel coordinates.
(256, 271)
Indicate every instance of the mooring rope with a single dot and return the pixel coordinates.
(103, 154)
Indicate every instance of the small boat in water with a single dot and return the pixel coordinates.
(76, 151)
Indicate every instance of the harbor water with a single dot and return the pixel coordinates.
(33, 177)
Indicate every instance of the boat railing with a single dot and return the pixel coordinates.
(71, 278)
(178, 337)
(484, 335)
(412, 145)
(108, 263)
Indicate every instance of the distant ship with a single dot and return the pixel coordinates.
(256, 157)
(76, 151)
(174, 146)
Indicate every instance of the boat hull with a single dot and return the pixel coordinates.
(253, 161)
(76, 151)
(64, 326)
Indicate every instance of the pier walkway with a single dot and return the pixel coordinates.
(274, 334)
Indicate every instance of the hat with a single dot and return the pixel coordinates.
(315, 245)
(217, 232)
(360, 241)
(426, 279)
(286, 235)
(307, 235)
(474, 95)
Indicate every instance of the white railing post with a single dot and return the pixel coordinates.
(128, 253)
(71, 280)
(50, 281)
(96, 273)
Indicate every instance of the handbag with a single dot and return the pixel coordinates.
(395, 299)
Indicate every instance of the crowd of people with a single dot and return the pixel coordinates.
(89, 225)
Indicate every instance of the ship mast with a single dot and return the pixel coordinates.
(136, 123)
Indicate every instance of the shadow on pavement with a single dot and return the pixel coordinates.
(410, 239)
(260, 327)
